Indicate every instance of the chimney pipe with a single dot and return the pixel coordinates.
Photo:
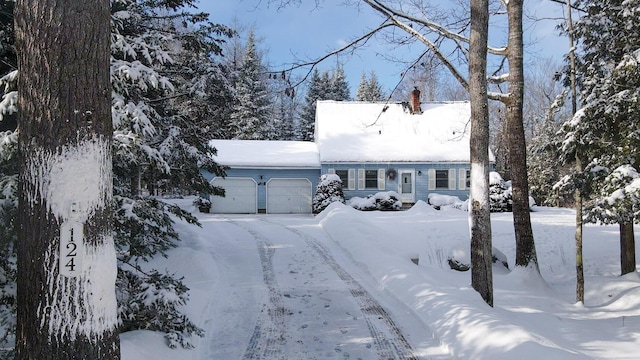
(415, 101)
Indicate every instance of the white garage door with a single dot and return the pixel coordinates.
(240, 196)
(289, 196)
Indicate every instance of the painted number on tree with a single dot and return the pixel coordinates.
(71, 248)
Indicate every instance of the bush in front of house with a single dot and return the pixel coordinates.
(439, 201)
(383, 201)
(329, 191)
(499, 194)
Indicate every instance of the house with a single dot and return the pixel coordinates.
(411, 148)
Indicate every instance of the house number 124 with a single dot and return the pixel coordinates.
(71, 248)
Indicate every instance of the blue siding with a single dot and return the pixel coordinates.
(421, 178)
(262, 176)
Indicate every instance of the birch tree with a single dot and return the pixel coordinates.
(66, 254)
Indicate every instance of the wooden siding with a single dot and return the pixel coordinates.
(421, 177)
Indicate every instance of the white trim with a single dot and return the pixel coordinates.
(361, 182)
(452, 179)
(432, 179)
(331, 171)
(351, 182)
(407, 197)
(381, 178)
(462, 179)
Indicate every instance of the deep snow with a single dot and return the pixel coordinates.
(301, 287)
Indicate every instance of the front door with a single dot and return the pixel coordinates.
(406, 185)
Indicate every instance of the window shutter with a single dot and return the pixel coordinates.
(331, 171)
(381, 176)
(361, 179)
(432, 179)
(462, 179)
(452, 179)
(351, 183)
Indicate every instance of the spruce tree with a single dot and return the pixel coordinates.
(251, 117)
(338, 85)
(166, 83)
(315, 92)
(604, 131)
(369, 89)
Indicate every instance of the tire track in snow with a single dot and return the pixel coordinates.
(388, 339)
(268, 337)
(269, 331)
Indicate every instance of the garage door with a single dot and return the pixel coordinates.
(240, 196)
(289, 196)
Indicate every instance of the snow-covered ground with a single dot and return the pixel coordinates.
(343, 285)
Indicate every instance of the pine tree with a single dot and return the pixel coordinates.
(604, 131)
(251, 117)
(156, 142)
(66, 298)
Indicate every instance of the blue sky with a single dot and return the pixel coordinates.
(307, 32)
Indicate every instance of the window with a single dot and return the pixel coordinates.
(442, 179)
(371, 179)
(468, 179)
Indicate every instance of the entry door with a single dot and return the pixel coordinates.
(407, 185)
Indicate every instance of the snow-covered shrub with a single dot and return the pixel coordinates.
(384, 201)
(438, 201)
(329, 191)
(203, 204)
(148, 299)
(499, 194)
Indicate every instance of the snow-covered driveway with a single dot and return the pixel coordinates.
(287, 295)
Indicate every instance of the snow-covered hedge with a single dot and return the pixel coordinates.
(329, 191)
(440, 201)
(384, 201)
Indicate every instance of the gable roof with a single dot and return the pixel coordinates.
(348, 131)
(264, 153)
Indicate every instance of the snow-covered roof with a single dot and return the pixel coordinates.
(261, 153)
(388, 132)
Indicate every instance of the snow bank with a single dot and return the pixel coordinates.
(462, 322)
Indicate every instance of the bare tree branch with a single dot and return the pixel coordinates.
(394, 16)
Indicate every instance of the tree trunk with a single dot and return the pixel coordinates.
(525, 246)
(66, 256)
(627, 248)
(479, 213)
(578, 238)
(578, 192)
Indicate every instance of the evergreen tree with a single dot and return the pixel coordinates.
(163, 62)
(604, 132)
(369, 90)
(338, 85)
(329, 190)
(316, 90)
(251, 117)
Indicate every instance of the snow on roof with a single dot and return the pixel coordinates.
(388, 132)
(261, 153)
